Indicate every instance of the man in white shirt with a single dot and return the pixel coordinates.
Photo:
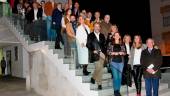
(96, 46)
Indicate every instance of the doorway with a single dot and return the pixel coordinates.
(8, 60)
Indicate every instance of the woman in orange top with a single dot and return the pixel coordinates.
(88, 21)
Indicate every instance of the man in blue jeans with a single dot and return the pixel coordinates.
(151, 60)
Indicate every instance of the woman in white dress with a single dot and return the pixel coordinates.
(81, 40)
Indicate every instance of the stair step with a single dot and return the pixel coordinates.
(59, 52)
(51, 46)
(165, 92)
(49, 42)
(69, 61)
(79, 72)
(91, 66)
(105, 84)
(30, 42)
(86, 79)
(143, 91)
(108, 91)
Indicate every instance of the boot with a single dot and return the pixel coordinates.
(117, 93)
(85, 72)
(99, 87)
(92, 81)
(57, 46)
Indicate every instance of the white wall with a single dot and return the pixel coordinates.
(17, 66)
(25, 62)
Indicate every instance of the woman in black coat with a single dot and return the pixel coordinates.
(127, 76)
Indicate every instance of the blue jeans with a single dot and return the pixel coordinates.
(152, 83)
(117, 69)
(51, 34)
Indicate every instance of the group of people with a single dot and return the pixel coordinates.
(100, 42)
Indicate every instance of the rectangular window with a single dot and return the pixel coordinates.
(166, 21)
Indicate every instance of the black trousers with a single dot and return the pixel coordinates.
(137, 75)
(127, 72)
(59, 38)
(3, 70)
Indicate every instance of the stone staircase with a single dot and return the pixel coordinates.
(106, 79)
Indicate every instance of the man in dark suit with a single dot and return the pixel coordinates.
(56, 20)
(76, 10)
(96, 46)
(151, 60)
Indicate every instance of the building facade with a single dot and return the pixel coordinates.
(160, 23)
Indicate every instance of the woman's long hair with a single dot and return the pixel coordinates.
(139, 45)
(113, 39)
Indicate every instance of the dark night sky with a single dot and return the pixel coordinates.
(131, 16)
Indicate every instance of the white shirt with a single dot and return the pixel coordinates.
(137, 55)
(44, 15)
(127, 48)
(97, 35)
(35, 14)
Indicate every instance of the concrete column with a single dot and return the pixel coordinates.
(28, 73)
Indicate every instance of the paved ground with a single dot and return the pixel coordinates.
(11, 86)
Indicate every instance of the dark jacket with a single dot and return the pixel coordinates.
(126, 57)
(3, 63)
(154, 58)
(56, 17)
(127, 76)
(75, 13)
(30, 15)
(94, 44)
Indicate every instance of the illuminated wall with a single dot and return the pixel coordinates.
(160, 21)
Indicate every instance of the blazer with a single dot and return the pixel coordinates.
(75, 13)
(126, 57)
(154, 58)
(105, 28)
(30, 15)
(56, 17)
(70, 32)
(132, 53)
(94, 44)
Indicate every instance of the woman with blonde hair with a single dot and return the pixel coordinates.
(134, 61)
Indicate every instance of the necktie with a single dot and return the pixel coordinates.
(149, 50)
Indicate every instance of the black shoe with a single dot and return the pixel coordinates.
(99, 87)
(85, 72)
(58, 47)
(117, 93)
(92, 81)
